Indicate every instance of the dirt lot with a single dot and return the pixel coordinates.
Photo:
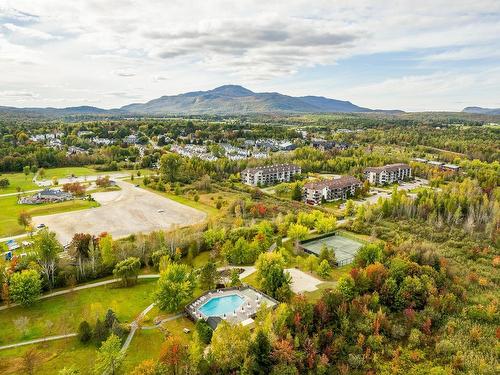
(302, 282)
(129, 210)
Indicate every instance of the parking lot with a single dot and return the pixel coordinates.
(129, 210)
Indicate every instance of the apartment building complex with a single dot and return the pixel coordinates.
(328, 190)
(387, 174)
(269, 174)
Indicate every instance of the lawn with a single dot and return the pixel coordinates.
(10, 210)
(51, 357)
(87, 171)
(63, 314)
(209, 210)
(18, 180)
(146, 344)
(152, 340)
(69, 171)
(198, 261)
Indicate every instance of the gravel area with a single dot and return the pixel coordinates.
(129, 210)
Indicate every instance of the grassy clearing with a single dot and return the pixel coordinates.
(209, 210)
(10, 210)
(51, 357)
(152, 340)
(18, 180)
(63, 314)
(70, 171)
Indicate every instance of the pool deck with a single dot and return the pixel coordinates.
(252, 301)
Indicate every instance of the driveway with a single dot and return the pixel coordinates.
(129, 210)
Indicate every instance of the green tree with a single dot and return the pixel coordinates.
(24, 219)
(260, 354)
(349, 207)
(209, 276)
(128, 270)
(327, 254)
(26, 171)
(109, 357)
(235, 278)
(175, 287)
(297, 232)
(170, 164)
(25, 287)
(107, 250)
(100, 332)
(368, 254)
(272, 276)
(346, 286)
(47, 250)
(324, 269)
(41, 173)
(297, 192)
(4, 182)
(84, 332)
(205, 332)
(229, 346)
(326, 224)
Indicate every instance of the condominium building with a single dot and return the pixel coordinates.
(270, 174)
(388, 174)
(328, 190)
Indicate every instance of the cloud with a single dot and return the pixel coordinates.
(125, 73)
(18, 94)
(29, 34)
(198, 45)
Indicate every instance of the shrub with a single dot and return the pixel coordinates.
(84, 332)
(204, 331)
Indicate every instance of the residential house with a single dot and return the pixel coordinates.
(269, 174)
(328, 190)
(387, 174)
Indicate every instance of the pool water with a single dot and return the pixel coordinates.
(218, 306)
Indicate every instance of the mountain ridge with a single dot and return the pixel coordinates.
(226, 99)
(482, 111)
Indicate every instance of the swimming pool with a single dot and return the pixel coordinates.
(218, 306)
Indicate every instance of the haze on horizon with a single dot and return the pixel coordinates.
(430, 55)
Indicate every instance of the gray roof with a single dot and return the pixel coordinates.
(388, 168)
(338, 183)
(272, 168)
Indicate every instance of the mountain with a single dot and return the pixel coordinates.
(226, 100)
(482, 111)
(54, 112)
(233, 99)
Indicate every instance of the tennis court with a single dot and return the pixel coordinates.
(345, 248)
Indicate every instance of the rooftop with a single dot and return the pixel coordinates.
(337, 183)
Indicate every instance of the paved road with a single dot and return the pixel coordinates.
(81, 287)
(43, 339)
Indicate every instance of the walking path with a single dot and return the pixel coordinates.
(81, 287)
(21, 192)
(43, 339)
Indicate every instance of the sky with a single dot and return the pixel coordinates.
(409, 55)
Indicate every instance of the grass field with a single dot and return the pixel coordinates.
(209, 210)
(63, 314)
(51, 357)
(153, 339)
(10, 210)
(69, 171)
(18, 180)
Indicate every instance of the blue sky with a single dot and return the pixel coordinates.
(426, 55)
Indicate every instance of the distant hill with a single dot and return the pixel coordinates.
(228, 100)
(233, 99)
(482, 111)
(49, 111)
